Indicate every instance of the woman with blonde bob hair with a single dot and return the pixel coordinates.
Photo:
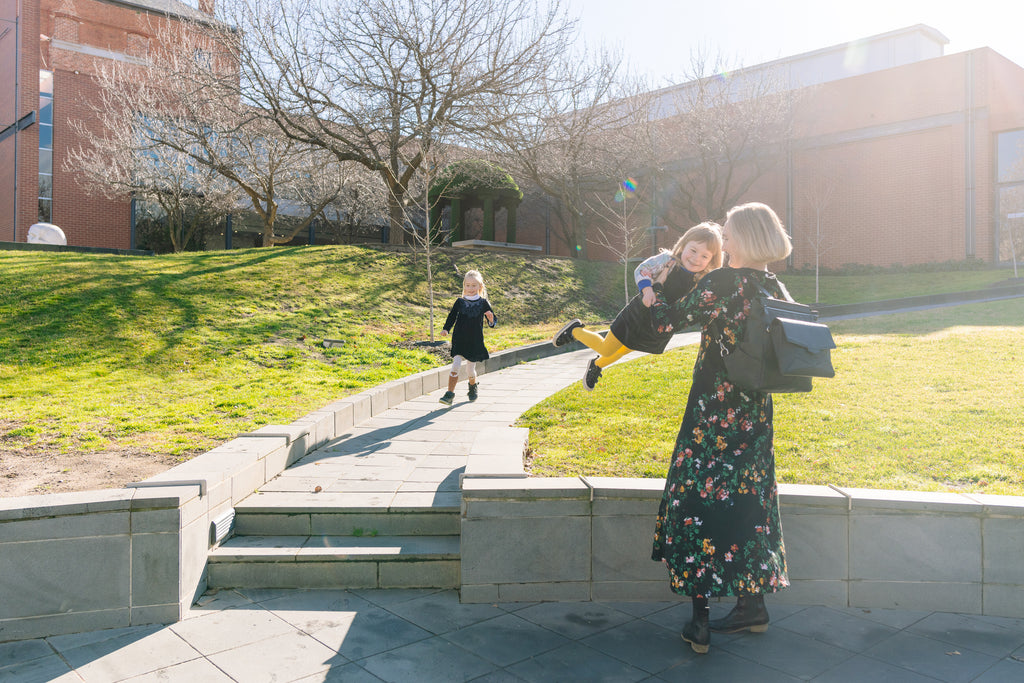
(718, 529)
(757, 234)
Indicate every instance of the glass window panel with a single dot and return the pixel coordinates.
(1011, 224)
(46, 110)
(45, 187)
(46, 137)
(46, 161)
(45, 82)
(1011, 156)
(45, 211)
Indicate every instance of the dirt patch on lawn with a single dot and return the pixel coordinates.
(26, 472)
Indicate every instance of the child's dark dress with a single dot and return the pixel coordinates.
(633, 325)
(467, 315)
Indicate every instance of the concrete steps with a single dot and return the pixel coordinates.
(284, 540)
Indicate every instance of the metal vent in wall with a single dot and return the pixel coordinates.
(222, 526)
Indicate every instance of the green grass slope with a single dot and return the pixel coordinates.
(174, 354)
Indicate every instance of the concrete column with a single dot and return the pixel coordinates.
(510, 223)
(458, 222)
(488, 218)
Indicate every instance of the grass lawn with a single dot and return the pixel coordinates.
(927, 401)
(174, 354)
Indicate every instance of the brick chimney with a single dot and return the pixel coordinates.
(207, 6)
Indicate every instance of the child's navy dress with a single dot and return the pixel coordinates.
(467, 315)
(633, 326)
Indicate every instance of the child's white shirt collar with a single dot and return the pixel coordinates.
(471, 298)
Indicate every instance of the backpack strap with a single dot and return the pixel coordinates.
(785, 292)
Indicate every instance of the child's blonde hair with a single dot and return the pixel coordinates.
(707, 233)
(475, 276)
(757, 233)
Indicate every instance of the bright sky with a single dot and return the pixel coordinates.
(658, 36)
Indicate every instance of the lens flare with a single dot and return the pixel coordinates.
(626, 189)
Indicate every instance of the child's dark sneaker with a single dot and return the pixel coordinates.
(592, 374)
(448, 397)
(472, 392)
(564, 335)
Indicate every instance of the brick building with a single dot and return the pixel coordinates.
(49, 50)
(900, 154)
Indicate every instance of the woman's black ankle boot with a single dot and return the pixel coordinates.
(749, 613)
(696, 632)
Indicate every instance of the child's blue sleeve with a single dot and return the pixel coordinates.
(649, 269)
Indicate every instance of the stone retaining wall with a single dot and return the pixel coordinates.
(589, 538)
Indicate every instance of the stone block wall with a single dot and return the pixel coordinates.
(590, 539)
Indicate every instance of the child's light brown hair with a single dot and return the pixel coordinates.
(707, 233)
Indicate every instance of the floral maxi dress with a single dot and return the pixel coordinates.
(718, 527)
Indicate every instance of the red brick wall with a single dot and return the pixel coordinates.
(893, 144)
(87, 219)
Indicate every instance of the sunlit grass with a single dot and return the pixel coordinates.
(930, 401)
(175, 354)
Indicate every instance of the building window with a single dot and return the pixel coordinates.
(1010, 197)
(1011, 157)
(45, 146)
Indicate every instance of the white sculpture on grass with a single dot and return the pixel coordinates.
(46, 233)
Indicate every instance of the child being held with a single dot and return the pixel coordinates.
(675, 272)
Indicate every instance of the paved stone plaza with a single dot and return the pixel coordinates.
(424, 635)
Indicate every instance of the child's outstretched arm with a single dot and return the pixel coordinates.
(650, 271)
(492, 319)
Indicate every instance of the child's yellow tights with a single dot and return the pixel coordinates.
(608, 347)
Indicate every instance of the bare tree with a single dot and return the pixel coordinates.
(717, 135)
(380, 82)
(439, 178)
(361, 202)
(620, 231)
(128, 158)
(183, 101)
(577, 143)
(818, 190)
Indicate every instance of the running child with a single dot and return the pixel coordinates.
(675, 272)
(467, 316)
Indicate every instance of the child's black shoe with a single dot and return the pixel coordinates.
(448, 397)
(472, 392)
(564, 335)
(592, 374)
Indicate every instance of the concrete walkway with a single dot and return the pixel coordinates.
(257, 635)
